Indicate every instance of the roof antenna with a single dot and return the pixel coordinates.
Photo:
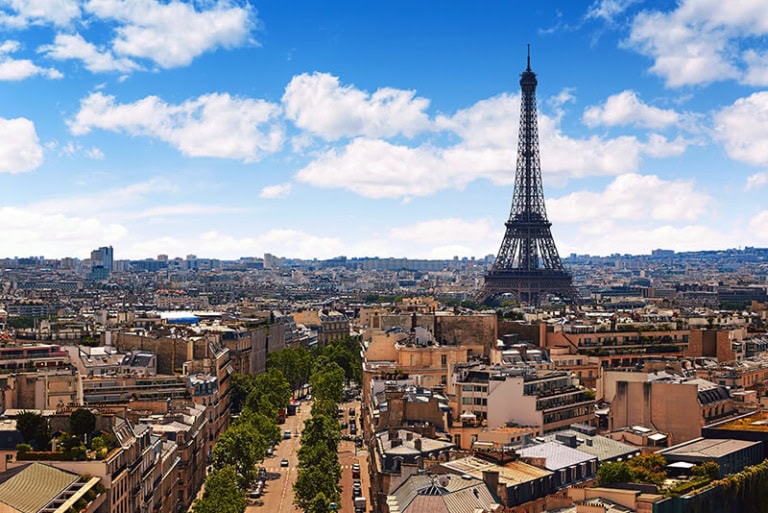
(529, 57)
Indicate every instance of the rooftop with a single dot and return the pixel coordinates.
(511, 474)
(754, 422)
(708, 448)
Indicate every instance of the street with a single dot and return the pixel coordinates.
(278, 492)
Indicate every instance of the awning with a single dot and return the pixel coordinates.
(468, 415)
(657, 437)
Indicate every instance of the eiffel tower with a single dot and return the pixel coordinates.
(528, 265)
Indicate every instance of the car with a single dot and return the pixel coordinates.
(355, 471)
(343, 425)
(284, 462)
(351, 412)
(255, 494)
(352, 429)
(262, 473)
(270, 452)
(352, 422)
(287, 434)
(296, 434)
(356, 492)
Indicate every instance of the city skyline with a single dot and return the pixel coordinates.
(227, 129)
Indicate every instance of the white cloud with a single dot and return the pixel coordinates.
(28, 231)
(94, 153)
(608, 10)
(109, 200)
(487, 149)
(319, 104)
(613, 238)
(743, 128)
(74, 46)
(758, 225)
(20, 150)
(756, 180)
(20, 69)
(186, 210)
(632, 197)
(20, 13)
(626, 108)
(276, 191)
(173, 33)
(696, 43)
(213, 125)
(284, 242)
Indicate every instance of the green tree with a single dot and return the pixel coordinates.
(648, 468)
(321, 429)
(346, 353)
(708, 469)
(270, 392)
(294, 362)
(241, 386)
(327, 381)
(311, 483)
(82, 422)
(242, 447)
(614, 472)
(34, 428)
(324, 407)
(222, 494)
(265, 426)
(321, 457)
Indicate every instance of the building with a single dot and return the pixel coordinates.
(41, 488)
(658, 404)
(731, 455)
(443, 492)
(515, 483)
(547, 400)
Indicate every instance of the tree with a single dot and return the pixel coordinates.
(321, 429)
(241, 386)
(270, 392)
(311, 483)
(222, 494)
(321, 457)
(614, 472)
(34, 428)
(327, 381)
(708, 469)
(265, 426)
(346, 353)
(294, 362)
(648, 468)
(242, 447)
(82, 422)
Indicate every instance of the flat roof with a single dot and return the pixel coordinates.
(756, 422)
(708, 448)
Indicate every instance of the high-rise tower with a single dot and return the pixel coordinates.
(528, 265)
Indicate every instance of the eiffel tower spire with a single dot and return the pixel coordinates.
(528, 265)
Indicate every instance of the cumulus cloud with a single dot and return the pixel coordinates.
(28, 231)
(279, 191)
(319, 104)
(742, 128)
(626, 108)
(213, 125)
(95, 59)
(694, 43)
(756, 180)
(20, 150)
(285, 242)
(173, 33)
(632, 197)
(487, 149)
(21, 13)
(20, 69)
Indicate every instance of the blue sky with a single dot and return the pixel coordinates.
(316, 129)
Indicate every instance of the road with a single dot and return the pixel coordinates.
(349, 454)
(278, 492)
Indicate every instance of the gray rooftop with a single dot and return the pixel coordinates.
(602, 447)
(708, 448)
(442, 493)
(557, 456)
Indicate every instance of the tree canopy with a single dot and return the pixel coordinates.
(327, 381)
(222, 494)
(241, 447)
(34, 428)
(270, 391)
(82, 422)
(294, 362)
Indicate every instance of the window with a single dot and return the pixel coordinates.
(443, 359)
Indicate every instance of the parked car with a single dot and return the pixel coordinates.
(343, 425)
(287, 434)
(284, 462)
(355, 471)
(351, 412)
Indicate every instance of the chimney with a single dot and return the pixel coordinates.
(413, 322)
(409, 436)
(417, 444)
(589, 442)
(491, 479)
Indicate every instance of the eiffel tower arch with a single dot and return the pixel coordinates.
(528, 265)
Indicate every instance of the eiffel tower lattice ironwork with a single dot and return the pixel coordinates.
(528, 265)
